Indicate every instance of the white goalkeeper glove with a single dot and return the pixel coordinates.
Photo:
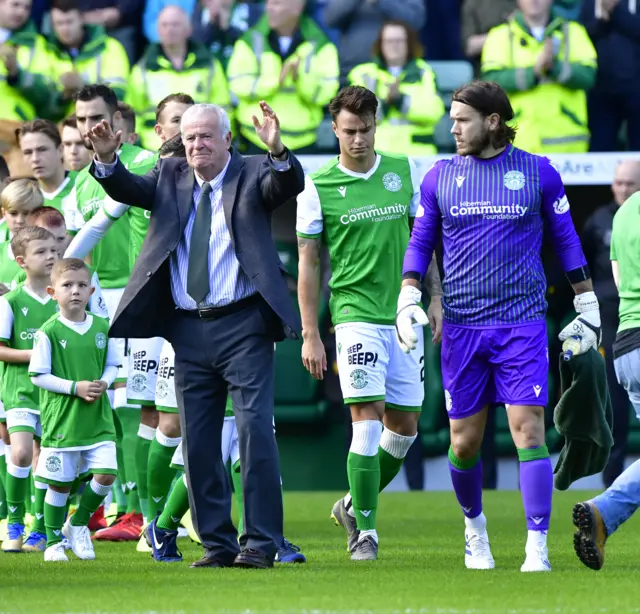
(587, 325)
(409, 313)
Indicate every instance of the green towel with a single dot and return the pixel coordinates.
(584, 417)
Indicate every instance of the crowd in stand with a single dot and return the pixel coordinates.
(570, 67)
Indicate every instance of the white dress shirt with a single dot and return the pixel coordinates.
(228, 283)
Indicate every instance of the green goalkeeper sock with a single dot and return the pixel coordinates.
(236, 478)
(177, 506)
(3, 493)
(391, 453)
(160, 473)
(91, 499)
(38, 508)
(55, 506)
(364, 482)
(146, 435)
(17, 489)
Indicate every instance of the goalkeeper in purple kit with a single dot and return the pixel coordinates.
(489, 205)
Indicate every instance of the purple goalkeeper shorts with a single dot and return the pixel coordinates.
(482, 366)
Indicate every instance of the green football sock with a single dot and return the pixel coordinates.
(29, 496)
(17, 488)
(133, 503)
(120, 496)
(176, 507)
(90, 501)
(38, 508)
(120, 485)
(364, 482)
(55, 505)
(389, 467)
(146, 435)
(3, 493)
(236, 478)
(392, 452)
(160, 472)
(130, 421)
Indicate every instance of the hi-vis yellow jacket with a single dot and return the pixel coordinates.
(101, 59)
(254, 73)
(154, 77)
(405, 126)
(28, 95)
(551, 113)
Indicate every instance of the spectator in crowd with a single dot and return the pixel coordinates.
(410, 106)
(614, 28)
(213, 28)
(441, 33)
(75, 153)
(478, 17)
(4, 172)
(289, 62)
(175, 64)
(24, 85)
(596, 242)
(546, 64)
(80, 54)
(152, 11)
(120, 18)
(569, 9)
(359, 22)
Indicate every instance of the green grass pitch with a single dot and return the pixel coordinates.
(420, 569)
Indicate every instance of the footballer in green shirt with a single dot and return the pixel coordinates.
(73, 364)
(22, 313)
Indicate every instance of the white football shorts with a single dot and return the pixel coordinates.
(372, 367)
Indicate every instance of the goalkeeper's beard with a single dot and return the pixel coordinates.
(481, 143)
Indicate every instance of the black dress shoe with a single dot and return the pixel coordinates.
(210, 560)
(252, 559)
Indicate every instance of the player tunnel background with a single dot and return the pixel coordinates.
(310, 416)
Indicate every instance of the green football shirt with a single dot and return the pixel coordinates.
(5, 235)
(74, 351)
(111, 257)
(363, 218)
(22, 313)
(625, 249)
(9, 268)
(138, 218)
(63, 197)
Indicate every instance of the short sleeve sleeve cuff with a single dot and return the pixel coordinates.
(309, 222)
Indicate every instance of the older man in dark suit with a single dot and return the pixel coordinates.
(209, 280)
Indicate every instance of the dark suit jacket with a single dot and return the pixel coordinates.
(251, 191)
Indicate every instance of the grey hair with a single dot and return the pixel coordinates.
(197, 110)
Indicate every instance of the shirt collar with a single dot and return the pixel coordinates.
(217, 180)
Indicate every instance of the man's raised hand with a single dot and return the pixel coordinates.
(104, 142)
(269, 130)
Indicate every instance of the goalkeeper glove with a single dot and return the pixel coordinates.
(409, 313)
(587, 325)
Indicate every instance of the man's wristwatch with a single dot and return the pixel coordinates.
(279, 156)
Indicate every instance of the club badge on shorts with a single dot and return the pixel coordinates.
(358, 378)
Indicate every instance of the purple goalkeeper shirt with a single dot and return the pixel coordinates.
(491, 214)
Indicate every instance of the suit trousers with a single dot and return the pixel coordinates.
(232, 354)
